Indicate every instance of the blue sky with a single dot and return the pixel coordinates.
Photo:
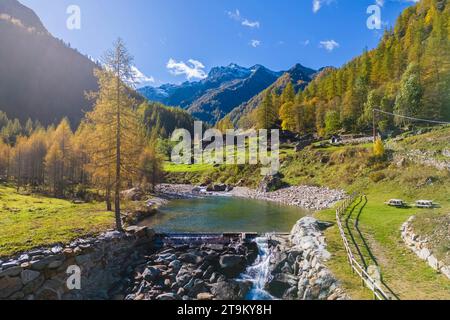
(179, 40)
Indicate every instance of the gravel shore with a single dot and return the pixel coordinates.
(307, 197)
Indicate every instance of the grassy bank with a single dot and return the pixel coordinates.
(353, 169)
(28, 221)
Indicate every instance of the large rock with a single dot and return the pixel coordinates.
(151, 274)
(29, 275)
(232, 265)
(198, 288)
(9, 285)
(270, 183)
(191, 258)
(280, 283)
(205, 296)
(167, 296)
(231, 290)
(446, 271)
(134, 194)
(424, 253)
(11, 272)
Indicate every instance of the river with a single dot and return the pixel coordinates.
(224, 214)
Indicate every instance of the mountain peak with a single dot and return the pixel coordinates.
(233, 70)
(27, 17)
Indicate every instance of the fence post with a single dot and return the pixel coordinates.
(363, 275)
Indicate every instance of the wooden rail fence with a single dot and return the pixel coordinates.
(367, 280)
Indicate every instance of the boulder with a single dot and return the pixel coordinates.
(191, 258)
(167, 296)
(175, 264)
(446, 271)
(9, 285)
(151, 273)
(134, 194)
(424, 253)
(11, 272)
(231, 290)
(220, 187)
(232, 265)
(29, 275)
(205, 296)
(198, 287)
(280, 283)
(270, 183)
(433, 262)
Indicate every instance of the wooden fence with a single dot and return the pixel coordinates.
(367, 280)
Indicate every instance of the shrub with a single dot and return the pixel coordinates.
(378, 148)
(377, 176)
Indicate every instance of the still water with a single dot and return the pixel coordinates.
(224, 214)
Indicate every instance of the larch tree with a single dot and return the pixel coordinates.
(117, 129)
(62, 140)
(150, 167)
(267, 115)
(288, 94)
(5, 160)
(288, 112)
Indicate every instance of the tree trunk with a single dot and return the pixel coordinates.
(108, 198)
(118, 181)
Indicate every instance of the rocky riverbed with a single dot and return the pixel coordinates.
(194, 272)
(307, 197)
(290, 268)
(297, 265)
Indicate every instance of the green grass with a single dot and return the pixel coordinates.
(28, 221)
(435, 227)
(436, 140)
(177, 168)
(351, 168)
(403, 272)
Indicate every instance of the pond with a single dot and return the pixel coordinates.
(224, 214)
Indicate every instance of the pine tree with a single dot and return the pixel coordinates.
(409, 98)
(332, 122)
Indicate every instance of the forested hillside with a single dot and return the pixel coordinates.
(161, 120)
(41, 77)
(299, 76)
(408, 74)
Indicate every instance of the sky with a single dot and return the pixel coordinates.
(173, 41)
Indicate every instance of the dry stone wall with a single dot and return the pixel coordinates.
(44, 274)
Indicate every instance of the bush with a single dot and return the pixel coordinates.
(378, 148)
(377, 176)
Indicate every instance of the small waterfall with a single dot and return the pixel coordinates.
(259, 272)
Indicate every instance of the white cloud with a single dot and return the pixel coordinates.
(317, 4)
(329, 45)
(305, 43)
(255, 43)
(236, 15)
(193, 69)
(141, 79)
(250, 24)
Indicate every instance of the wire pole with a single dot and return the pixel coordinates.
(374, 126)
(409, 118)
